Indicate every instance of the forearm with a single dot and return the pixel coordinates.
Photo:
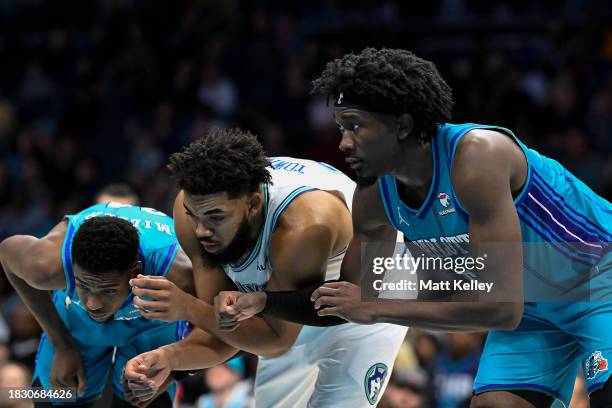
(447, 316)
(41, 305)
(199, 350)
(254, 335)
(296, 306)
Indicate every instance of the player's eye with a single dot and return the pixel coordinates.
(351, 127)
(109, 291)
(217, 218)
(83, 287)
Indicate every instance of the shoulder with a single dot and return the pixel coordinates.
(39, 260)
(307, 234)
(485, 148)
(313, 215)
(482, 169)
(46, 252)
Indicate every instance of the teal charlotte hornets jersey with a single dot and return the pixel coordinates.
(158, 247)
(565, 231)
(106, 347)
(565, 226)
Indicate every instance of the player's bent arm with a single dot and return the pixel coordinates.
(198, 350)
(486, 194)
(256, 335)
(34, 266)
(370, 225)
(147, 375)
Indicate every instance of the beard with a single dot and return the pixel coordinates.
(237, 248)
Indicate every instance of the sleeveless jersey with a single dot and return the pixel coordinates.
(291, 177)
(158, 247)
(566, 227)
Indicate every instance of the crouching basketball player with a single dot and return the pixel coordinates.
(248, 223)
(91, 327)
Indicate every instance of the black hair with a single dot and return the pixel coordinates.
(105, 244)
(225, 160)
(413, 85)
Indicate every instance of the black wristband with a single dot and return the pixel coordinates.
(295, 306)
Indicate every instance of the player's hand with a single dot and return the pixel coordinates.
(130, 396)
(342, 299)
(232, 307)
(166, 301)
(67, 370)
(145, 374)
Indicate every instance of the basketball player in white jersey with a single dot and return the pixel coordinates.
(250, 227)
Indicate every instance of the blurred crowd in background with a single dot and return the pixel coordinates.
(102, 91)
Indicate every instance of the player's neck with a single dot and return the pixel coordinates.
(415, 168)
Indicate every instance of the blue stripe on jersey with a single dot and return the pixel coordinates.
(561, 216)
(558, 240)
(328, 167)
(572, 214)
(545, 235)
(68, 260)
(169, 257)
(288, 200)
(543, 215)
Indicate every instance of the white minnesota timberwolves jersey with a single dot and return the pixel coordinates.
(290, 178)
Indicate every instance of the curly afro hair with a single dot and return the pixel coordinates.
(225, 160)
(105, 244)
(408, 82)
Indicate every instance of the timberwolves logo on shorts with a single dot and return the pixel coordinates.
(595, 364)
(374, 381)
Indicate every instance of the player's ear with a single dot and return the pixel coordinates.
(136, 269)
(254, 203)
(405, 125)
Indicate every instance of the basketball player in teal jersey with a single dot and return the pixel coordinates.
(392, 109)
(442, 185)
(87, 261)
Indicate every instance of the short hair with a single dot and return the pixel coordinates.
(119, 190)
(105, 244)
(408, 82)
(224, 160)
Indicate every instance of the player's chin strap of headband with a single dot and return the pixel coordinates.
(345, 99)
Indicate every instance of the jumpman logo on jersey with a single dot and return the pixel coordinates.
(399, 213)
